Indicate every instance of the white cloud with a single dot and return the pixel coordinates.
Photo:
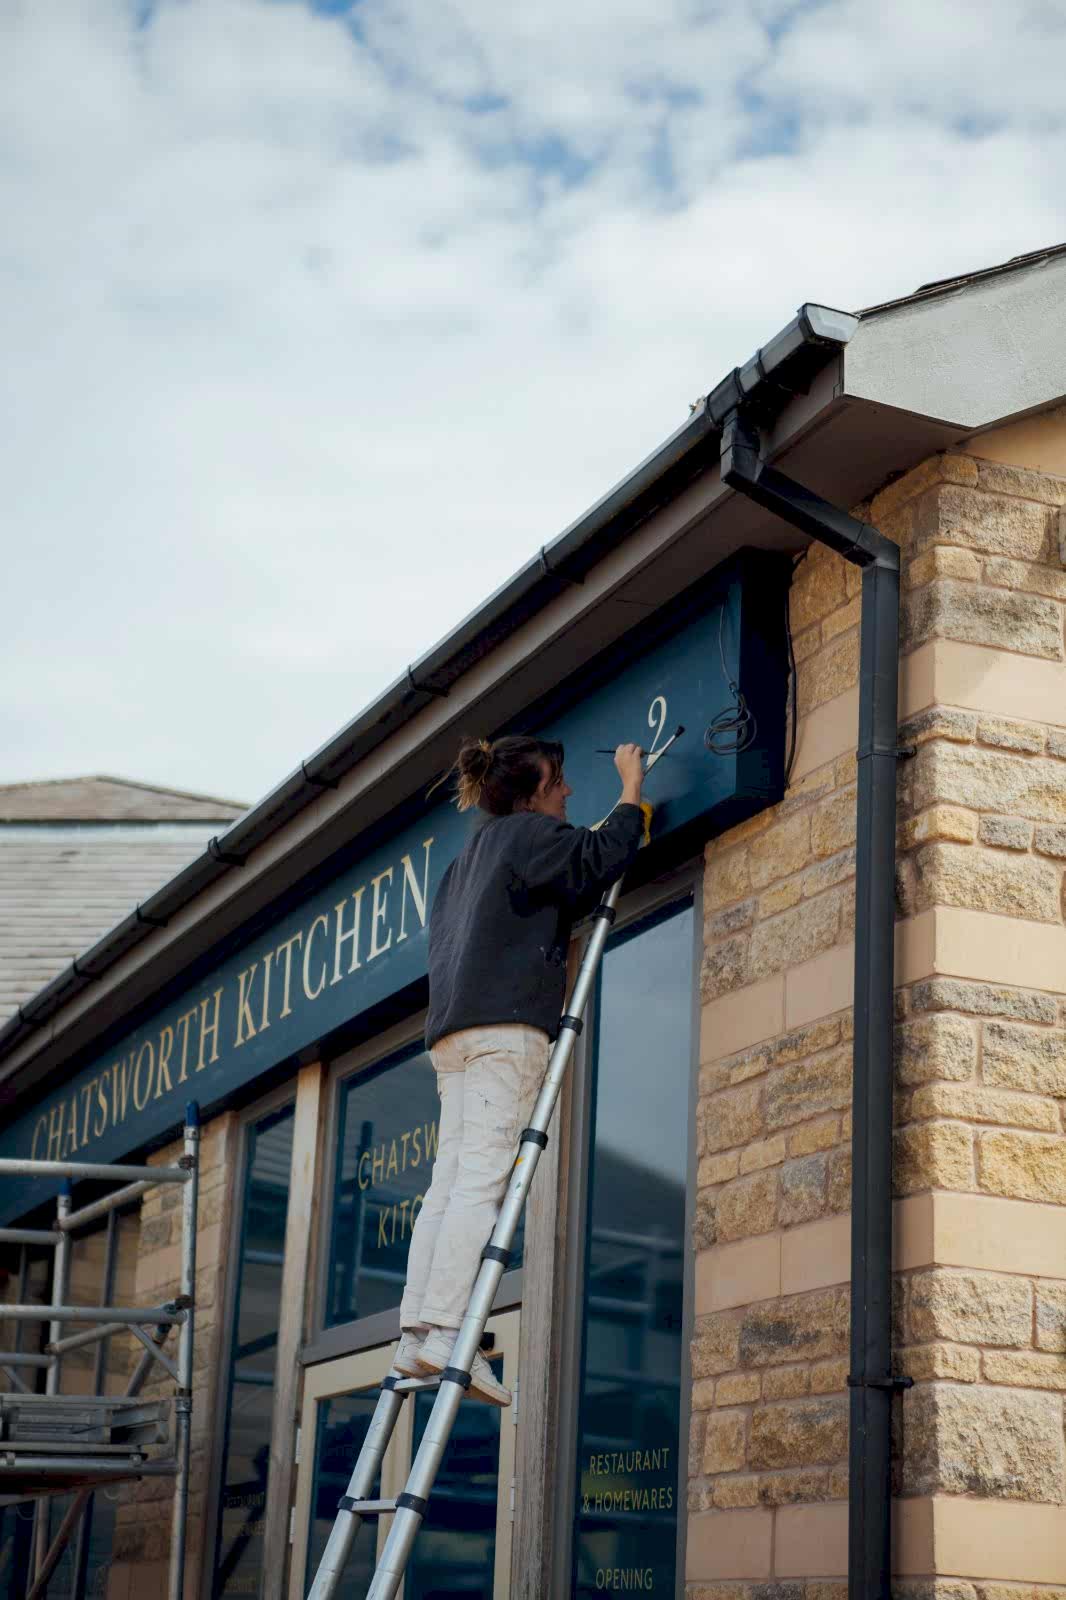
(316, 326)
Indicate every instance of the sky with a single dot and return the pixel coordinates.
(316, 321)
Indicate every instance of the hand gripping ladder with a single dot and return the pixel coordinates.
(452, 1384)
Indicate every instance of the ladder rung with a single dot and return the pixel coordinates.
(369, 1508)
(411, 1385)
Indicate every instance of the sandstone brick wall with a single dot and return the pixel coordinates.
(142, 1535)
(981, 1078)
(769, 1425)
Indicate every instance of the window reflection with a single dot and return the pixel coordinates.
(16, 1549)
(341, 1428)
(33, 1286)
(251, 1377)
(114, 1365)
(630, 1395)
(386, 1144)
(455, 1550)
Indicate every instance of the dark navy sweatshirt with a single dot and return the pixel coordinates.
(500, 925)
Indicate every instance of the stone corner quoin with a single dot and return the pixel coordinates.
(980, 1063)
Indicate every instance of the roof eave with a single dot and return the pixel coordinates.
(794, 385)
(563, 561)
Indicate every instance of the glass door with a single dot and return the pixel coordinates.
(464, 1545)
(630, 1422)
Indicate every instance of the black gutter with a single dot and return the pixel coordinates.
(870, 1381)
(779, 370)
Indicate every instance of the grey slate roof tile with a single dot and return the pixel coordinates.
(57, 899)
(77, 855)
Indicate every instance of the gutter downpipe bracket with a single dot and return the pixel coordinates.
(870, 1439)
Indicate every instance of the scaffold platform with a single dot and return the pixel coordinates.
(71, 1444)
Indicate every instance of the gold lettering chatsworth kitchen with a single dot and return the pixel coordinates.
(371, 919)
(388, 1159)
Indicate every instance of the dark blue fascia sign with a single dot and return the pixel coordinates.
(361, 937)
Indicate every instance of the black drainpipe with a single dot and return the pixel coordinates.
(870, 1381)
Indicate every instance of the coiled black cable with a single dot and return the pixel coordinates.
(735, 728)
(791, 675)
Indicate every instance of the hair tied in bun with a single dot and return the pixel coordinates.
(474, 761)
(502, 775)
(470, 767)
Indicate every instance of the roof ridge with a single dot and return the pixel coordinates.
(937, 286)
(126, 783)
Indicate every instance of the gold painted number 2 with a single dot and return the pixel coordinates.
(657, 719)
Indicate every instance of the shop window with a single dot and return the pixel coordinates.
(632, 1357)
(16, 1549)
(29, 1281)
(386, 1143)
(115, 1261)
(250, 1396)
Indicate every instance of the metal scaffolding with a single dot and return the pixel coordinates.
(51, 1444)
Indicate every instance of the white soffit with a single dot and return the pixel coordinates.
(978, 352)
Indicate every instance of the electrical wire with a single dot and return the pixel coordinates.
(800, 559)
(733, 729)
(792, 702)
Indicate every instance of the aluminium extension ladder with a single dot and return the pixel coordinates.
(451, 1385)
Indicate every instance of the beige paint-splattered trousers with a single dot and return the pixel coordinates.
(487, 1079)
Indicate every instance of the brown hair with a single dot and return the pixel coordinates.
(497, 777)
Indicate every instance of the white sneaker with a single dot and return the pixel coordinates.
(436, 1354)
(408, 1359)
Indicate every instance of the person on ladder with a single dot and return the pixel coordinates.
(498, 940)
